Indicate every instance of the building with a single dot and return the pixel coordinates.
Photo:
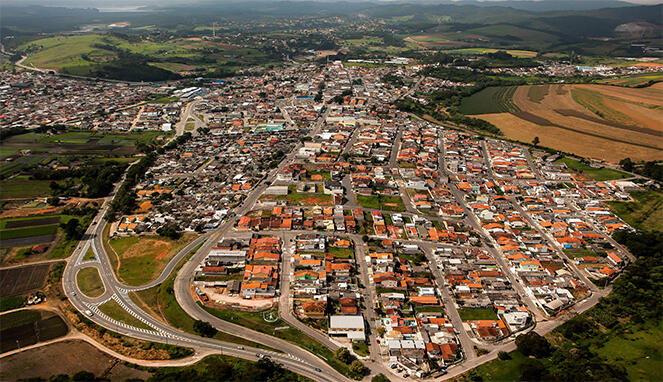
(350, 326)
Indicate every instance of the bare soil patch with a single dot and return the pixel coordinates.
(72, 356)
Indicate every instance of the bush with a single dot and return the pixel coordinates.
(204, 328)
(503, 356)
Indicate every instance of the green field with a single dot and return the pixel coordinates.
(513, 52)
(89, 282)
(341, 253)
(24, 189)
(598, 174)
(143, 258)
(16, 233)
(113, 310)
(497, 99)
(381, 202)
(467, 314)
(634, 80)
(646, 213)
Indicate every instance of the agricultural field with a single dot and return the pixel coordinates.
(72, 357)
(22, 280)
(26, 327)
(634, 80)
(20, 234)
(597, 121)
(514, 52)
(140, 259)
(497, 99)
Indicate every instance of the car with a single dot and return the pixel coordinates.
(319, 370)
(261, 356)
(406, 375)
(73, 293)
(240, 347)
(93, 223)
(89, 313)
(393, 366)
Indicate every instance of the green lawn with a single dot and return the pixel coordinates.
(467, 314)
(89, 282)
(361, 348)
(113, 310)
(598, 174)
(646, 213)
(498, 370)
(579, 252)
(89, 255)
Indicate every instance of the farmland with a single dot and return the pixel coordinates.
(490, 100)
(25, 327)
(588, 120)
(21, 280)
(72, 357)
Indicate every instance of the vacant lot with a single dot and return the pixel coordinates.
(89, 282)
(72, 357)
(20, 280)
(381, 202)
(588, 120)
(468, 314)
(591, 172)
(646, 213)
(140, 259)
(20, 329)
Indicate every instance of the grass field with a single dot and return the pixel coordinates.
(598, 174)
(467, 314)
(142, 258)
(341, 253)
(646, 213)
(89, 282)
(302, 199)
(381, 202)
(160, 302)
(89, 254)
(113, 310)
(490, 100)
(513, 52)
(634, 80)
(256, 322)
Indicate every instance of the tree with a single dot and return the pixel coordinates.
(170, 231)
(380, 331)
(83, 376)
(533, 344)
(343, 355)
(204, 328)
(532, 370)
(380, 378)
(357, 368)
(627, 164)
(536, 141)
(503, 355)
(72, 229)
